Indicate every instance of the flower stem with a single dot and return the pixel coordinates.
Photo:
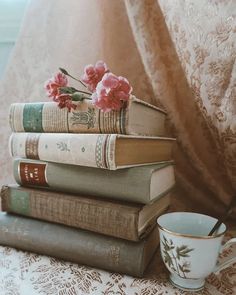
(67, 74)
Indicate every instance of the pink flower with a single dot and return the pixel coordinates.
(93, 74)
(65, 101)
(111, 92)
(53, 85)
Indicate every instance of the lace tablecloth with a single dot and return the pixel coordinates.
(23, 273)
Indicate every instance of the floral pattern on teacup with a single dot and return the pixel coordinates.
(174, 257)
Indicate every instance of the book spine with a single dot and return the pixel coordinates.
(93, 150)
(121, 184)
(95, 215)
(49, 118)
(74, 245)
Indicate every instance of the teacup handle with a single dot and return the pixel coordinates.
(226, 260)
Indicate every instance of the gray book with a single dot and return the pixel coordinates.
(141, 184)
(79, 246)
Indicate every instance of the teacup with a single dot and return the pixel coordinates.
(186, 249)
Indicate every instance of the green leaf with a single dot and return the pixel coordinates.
(183, 251)
(166, 246)
(187, 251)
(168, 260)
(184, 255)
(180, 267)
(67, 90)
(77, 96)
(165, 239)
(182, 247)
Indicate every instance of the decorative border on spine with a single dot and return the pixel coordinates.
(99, 151)
(110, 151)
(104, 151)
(31, 146)
(112, 122)
(123, 122)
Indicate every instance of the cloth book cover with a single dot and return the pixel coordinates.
(138, 118)
(141, 184)
(108, 151)
(124, 220)
(77, 245)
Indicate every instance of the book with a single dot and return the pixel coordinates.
(141, 184)
(124, 220)
(108, 151)
(77, 245)
(138, 118)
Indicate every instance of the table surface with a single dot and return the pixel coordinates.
(23, 273)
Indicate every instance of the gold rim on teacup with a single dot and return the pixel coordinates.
(191, 236)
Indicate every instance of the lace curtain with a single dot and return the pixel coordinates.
(177, 54)
(188, 49)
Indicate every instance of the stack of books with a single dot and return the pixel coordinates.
(90, 184)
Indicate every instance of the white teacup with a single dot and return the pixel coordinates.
(186, 249)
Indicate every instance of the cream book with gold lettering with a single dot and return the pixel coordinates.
(108, 151)
(138, 118)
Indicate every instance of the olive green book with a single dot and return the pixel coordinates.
(142, 184)
(77, 245)
(120, 219)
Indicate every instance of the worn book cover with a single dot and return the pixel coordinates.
(141, 184)
(130, 221)
(77, 245)
(138, 118)
(108, 151)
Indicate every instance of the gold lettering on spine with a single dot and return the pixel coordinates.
(31, 146)
(114, 255)
(33, 174)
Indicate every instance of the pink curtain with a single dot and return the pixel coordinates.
(177, 54)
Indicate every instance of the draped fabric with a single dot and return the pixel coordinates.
(188, 49)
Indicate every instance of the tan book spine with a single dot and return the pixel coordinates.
(102, 216)
(93, 150)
